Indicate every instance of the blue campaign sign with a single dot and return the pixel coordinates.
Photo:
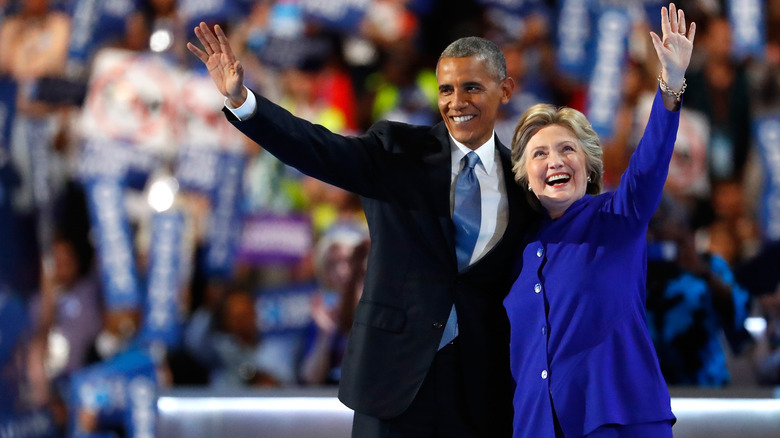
(574, 37)
(341, 15)
(31, 424)
(613, 28)
(114, 244)
(7, 111)
(118, 390)
(95, 23)
(13, 321)
(284, 310)
(197, 167)
(748, 28)
(225, 227)
(767, 134)
(163, 318)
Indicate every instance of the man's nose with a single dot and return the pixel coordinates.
(459, 99)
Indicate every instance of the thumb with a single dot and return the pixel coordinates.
(658, 45)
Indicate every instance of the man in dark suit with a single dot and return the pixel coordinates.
(428, 354)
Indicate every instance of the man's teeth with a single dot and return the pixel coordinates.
(555, 178)
(461, 119)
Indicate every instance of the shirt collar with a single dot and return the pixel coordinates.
(486, 152)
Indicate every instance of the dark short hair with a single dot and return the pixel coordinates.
(484, 50)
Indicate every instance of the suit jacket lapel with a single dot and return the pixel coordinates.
(439, 171)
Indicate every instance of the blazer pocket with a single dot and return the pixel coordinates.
(380, 316)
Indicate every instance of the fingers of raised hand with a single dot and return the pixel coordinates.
(210, 42)
(224, 43)
(197, 52)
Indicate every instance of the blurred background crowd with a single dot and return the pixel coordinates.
(145, 244)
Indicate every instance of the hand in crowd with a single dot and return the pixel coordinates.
(226, 71)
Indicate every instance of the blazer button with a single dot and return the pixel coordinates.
(437, 325)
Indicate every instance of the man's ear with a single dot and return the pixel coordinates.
(508, 87)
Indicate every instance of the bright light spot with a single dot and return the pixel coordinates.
(169, 405)
(162, 193)
(756, 325)
(161, 40)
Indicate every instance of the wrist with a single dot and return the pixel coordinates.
(674, 87)
(237, 101)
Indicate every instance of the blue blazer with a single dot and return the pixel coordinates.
(402, 174)
(579, 339)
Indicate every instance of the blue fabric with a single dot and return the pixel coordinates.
(686, 327)
(467, 216)
(467, 211)
(579, 338)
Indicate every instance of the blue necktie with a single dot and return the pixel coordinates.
(466, 216)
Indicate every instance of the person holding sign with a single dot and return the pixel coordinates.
(581, 353)
(428, 352)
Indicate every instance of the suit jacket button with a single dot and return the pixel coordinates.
(437, 325)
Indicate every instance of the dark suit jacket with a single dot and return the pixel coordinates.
(402, 174)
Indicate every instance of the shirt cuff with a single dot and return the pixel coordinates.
(247, 109)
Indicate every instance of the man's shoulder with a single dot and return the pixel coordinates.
(403, 136)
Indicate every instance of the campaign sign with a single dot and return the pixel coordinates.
(284, 310)
(269, 239)
(767, 132)
(604, 90)
(114, 245)
(748, 28)
(200, 114)
(341, 15)
(7, 111)
(225, 226)
(13, 321)
(32, 424)
(573, 38)
(116, 160)
(96, 22)
(118, 390)
(164, 317)
(196, 168)
(133, 98)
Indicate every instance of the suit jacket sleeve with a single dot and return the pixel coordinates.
(352, 163)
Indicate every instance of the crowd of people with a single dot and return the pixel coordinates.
(261, 316)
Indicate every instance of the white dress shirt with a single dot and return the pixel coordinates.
(492, 191)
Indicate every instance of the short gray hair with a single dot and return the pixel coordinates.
(484, 50)
(542, 115)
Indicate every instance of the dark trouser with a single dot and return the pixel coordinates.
(438, 410)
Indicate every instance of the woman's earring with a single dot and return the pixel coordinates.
(529, 187)
(589, 179)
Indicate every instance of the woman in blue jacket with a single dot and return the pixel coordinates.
(580, 349)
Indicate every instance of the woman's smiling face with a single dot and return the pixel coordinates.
(557, 168)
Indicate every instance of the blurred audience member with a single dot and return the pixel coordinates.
(692, 299)
(762, 278)
(340, 258)
(228, 343)
(719, 89)
(34, 45)
(68, 311)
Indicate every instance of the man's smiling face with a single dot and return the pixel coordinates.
(469, 98)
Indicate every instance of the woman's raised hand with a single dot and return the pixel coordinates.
(675, 47)
(225, 70)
